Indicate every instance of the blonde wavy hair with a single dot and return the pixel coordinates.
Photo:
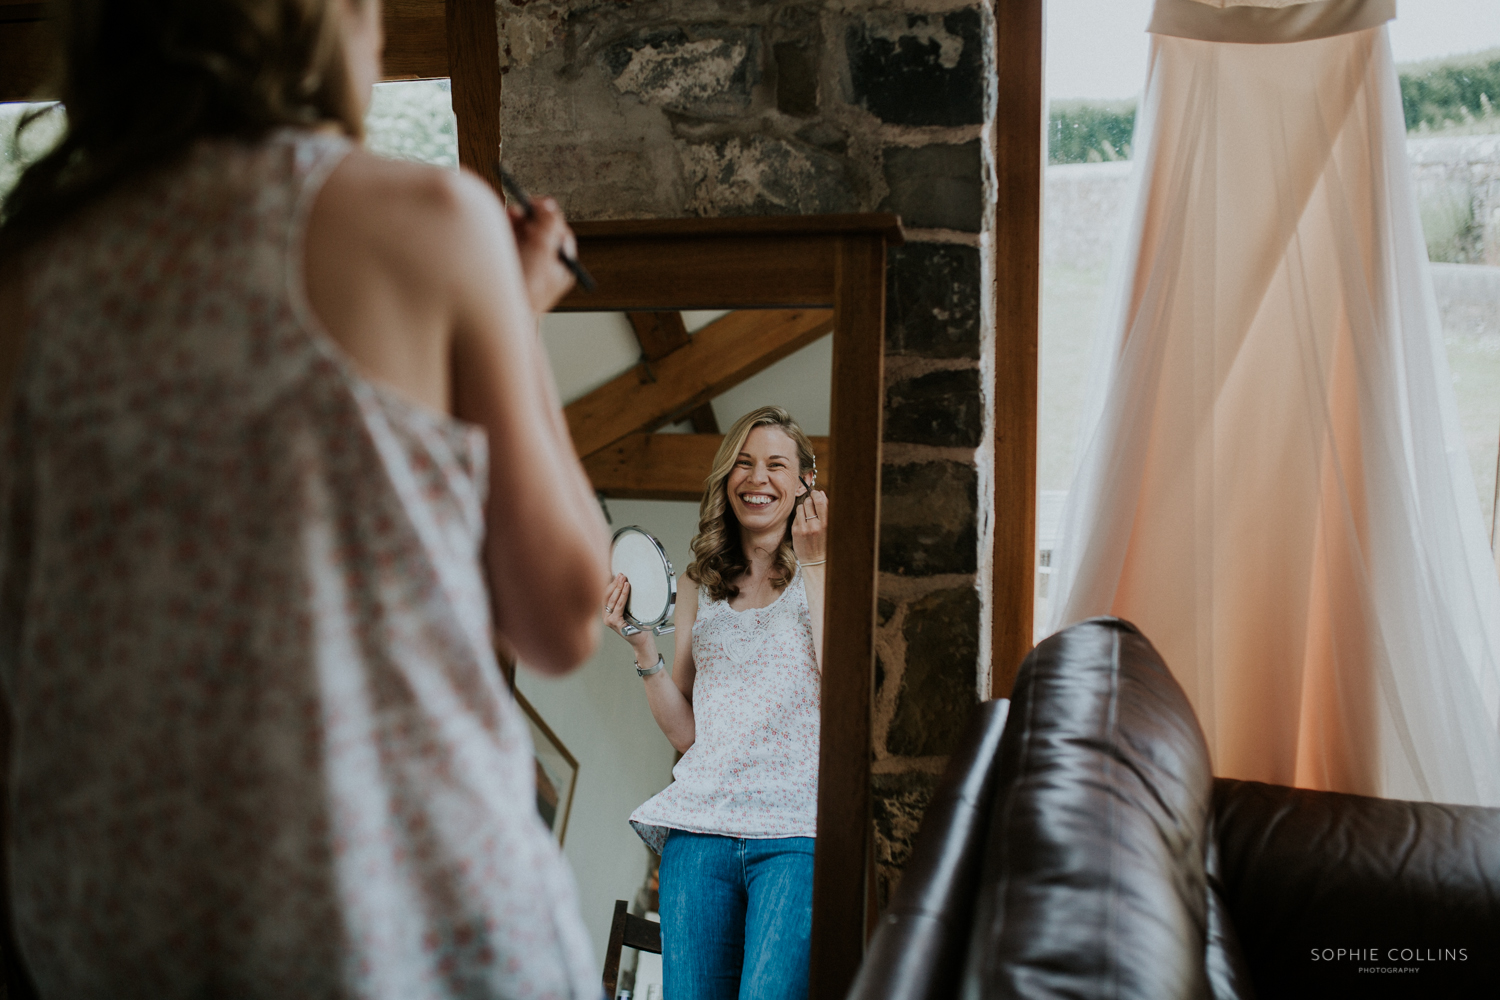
(718, 555)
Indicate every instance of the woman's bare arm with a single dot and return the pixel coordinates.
(812, 580)
(670, 696)
(547, 542)
(810, 541)
(672, 701)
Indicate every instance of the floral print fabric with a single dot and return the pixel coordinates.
(753, 768)
(262, 746)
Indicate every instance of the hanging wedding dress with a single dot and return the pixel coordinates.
(1273, 483)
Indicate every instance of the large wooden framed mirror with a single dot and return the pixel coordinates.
(786, 283)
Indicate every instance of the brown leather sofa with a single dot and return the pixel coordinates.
(1082, 848)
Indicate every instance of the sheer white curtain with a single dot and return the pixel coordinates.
(1273, 483)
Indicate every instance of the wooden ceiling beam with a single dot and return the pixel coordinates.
(671, 466)
(704, 419)
(659, 334)
(718, 357)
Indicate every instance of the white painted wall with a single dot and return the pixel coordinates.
(799, 384)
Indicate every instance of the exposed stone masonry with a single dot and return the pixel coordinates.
(665, 108)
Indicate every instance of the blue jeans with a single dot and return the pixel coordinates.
(736, 916)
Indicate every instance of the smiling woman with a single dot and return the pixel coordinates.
(756, 476)
(735, 828)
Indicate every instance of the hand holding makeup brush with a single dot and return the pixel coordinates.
(542, 237)
(521, 206)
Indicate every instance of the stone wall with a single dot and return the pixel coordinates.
(1461, 173)
(664, 108)
(1458, 175)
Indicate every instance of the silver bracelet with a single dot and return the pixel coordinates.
(655, 668)
(818, 563)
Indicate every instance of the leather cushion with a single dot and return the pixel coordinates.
(1324, 889)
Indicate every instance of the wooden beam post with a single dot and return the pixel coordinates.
(416, 39)
(1020, 147)
(474, 64)
(658, 333)
(28, 50)
(841, 855)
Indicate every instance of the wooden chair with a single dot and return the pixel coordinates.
(627, 931)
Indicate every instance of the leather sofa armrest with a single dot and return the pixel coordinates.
(1322, 885)
(1093, 882)
(918, 948)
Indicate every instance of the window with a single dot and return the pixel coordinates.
(409, 120)
(413, 120)
(1452, 105)
(1449, 61)
(17, 150)
(1096, 66)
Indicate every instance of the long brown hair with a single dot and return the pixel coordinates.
(718, 555)
(141, 79)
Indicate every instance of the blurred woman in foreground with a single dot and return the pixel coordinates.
(276, 411)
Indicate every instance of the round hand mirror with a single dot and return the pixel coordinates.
(653, 588)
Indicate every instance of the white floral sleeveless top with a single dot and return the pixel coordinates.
(753, 769)
(263, 748)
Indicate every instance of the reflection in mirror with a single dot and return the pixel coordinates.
(642, 560)
(649, 397)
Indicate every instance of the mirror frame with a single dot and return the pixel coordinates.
(784, 262)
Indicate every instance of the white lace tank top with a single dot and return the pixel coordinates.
(262, 746)
(753, 770)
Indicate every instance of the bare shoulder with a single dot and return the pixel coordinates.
(421, 215)
(396, 256)
(405, 186)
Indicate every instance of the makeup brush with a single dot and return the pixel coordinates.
(585, 280)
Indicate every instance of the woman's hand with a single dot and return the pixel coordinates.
(810, 528)
(615, 600)
(539, 239)
(810, 543)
